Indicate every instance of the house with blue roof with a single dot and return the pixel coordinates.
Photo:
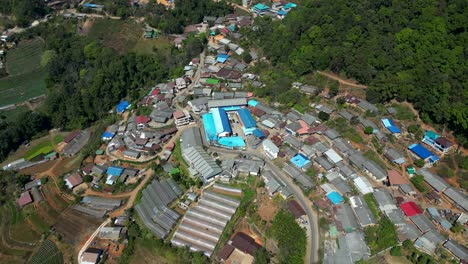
(114, 170)
(107, 136)
(221, 122)
(260, 9)
(248, 123)
(437, 142)
(390, 126)
(222, 58)
(281, 14)
(421, 152)
(113, 174)
(430, 137)
(122, 106)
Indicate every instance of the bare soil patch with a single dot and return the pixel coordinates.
(75, 226)
(266, 208)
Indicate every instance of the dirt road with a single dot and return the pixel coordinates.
(130, 195)
(340, 80)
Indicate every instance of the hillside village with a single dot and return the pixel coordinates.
(208, 166)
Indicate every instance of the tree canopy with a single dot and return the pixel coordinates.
(404, 50)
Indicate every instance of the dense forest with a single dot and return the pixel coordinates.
(13, 134)
(186, 12)
(23, 11)
(404, 50)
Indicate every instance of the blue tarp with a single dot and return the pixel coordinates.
(335, 197)
(420, 151)
(434, 159)
(107, 135)
(246, 118)
(258, 133)
(116, 171)
(222, 58)
(232, 142)
(122, 106)
(388, 123)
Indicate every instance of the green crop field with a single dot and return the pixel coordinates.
(47, 253)
(26, 76)
(43, 148)
(25, 58)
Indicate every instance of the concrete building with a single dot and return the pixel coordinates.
(270, 149)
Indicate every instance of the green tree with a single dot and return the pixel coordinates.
(323, 116)
(88, 178)
(419, 163)
(261, 256)
(395, 251)
(247, 57)
(368, 130)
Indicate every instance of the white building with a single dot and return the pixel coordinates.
(181, 83)
(271, 150)
(363, 185)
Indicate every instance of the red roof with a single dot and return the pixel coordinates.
(88, 168)
(24, 199)
(245, 243)
(295, 209)
(155, 91)
(71, 136)
(395, 178)
(142, 119)
(74, 179)
(311, 140)
(178, 114)
(276, 140)
(170, 146)
(225, 252)
(410, 208)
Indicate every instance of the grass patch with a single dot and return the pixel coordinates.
(381, 236)
(38, 222)
(57, 139)
(345, 129)
(23, 232)
(403, 112)
(15, 215)
(127, 36)
(15, 89)
(41, 148)
(12, 114)
(372, 204)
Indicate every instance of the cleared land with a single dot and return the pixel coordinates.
(26, 76)
(127, 36)
(75, 226)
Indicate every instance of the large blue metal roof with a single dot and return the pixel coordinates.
(420, 151)
(221, 121)
(388, 123)
(246, 118)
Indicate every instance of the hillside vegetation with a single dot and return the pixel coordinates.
(405, 50)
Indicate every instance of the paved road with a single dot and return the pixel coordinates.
(313, 241)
